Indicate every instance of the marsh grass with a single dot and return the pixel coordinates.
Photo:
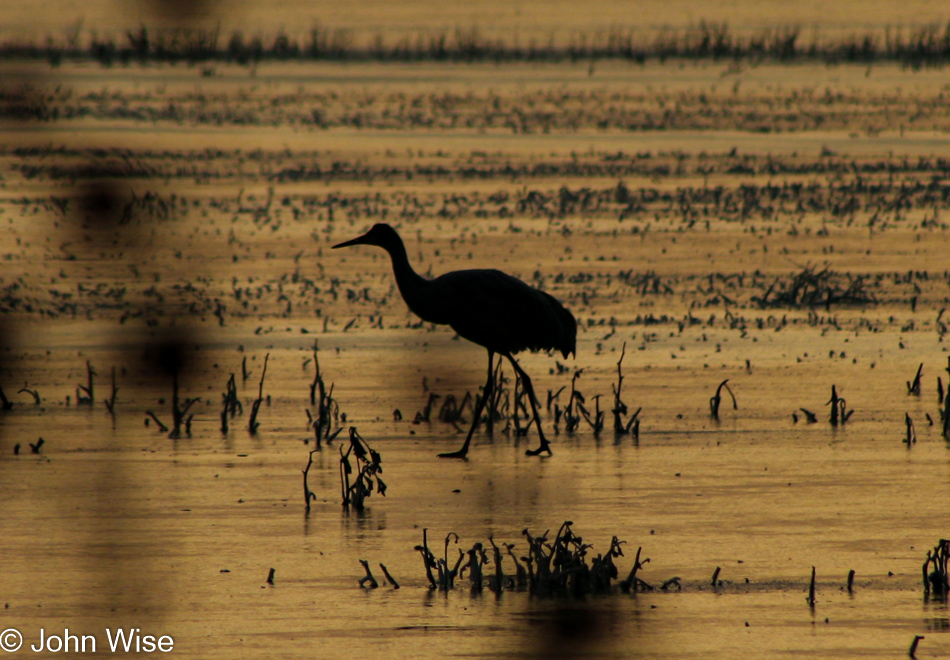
(918, 46)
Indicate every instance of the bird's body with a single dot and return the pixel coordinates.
(485, 306)
(472, 302)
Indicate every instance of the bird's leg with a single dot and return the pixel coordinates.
(479, 407)
(545, 446)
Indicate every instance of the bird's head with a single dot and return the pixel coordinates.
(381, 235)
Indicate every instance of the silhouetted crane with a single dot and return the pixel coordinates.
(488, 307)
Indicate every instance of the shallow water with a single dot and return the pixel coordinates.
(118, 525)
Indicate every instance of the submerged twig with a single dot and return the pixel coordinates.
(232, 404)
(368, 578)
(34, 393)
(179, 410)
(911, 436)
(307, 493)
(389, 577)
(88, 388)
(620, 408)
(252, 423)
(716, 399)
(811, 590)
(936, 570)
(327, 410)
(161, 426)
(946, 407)
(110, 402)
(633, 582)
(914, 387)
(839, 409)
(428, 559)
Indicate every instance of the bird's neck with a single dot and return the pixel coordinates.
(411, 285)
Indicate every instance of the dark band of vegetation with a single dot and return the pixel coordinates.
(920, 46)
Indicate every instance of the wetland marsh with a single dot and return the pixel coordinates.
(780, 225)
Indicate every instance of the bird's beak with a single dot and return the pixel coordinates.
(359, 240)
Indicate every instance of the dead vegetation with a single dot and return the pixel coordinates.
(525, 111)
(252, 424)
(508, 404)
(632, 425)
(839, 409)
(359, 478)
(716, 400)
(560, 567)
(841, 185)
(816, 288)
(916, 47)
(327, 410)
(945, 401)
(913, 388)
(511, 406)
(181, 419)
(901, 195)
(935, 571)
(910, 437)
(180, 408)
(110, 402)
(85, 394)
(232, 404)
